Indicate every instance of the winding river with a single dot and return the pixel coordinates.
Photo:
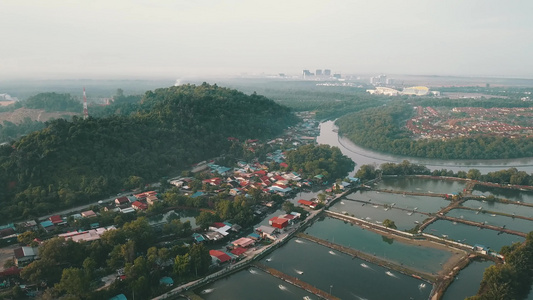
(361, 156)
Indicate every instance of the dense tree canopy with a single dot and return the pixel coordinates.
(53, 102)
(382, 129)
(68, 163)
(320, 160)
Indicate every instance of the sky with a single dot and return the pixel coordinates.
(112, 39)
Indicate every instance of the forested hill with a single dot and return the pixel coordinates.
(69, 163)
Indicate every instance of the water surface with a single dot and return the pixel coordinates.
(467, 281)
(349, 235)
(472, 235)
(251, 284)
(493, 219)
(421, 185)
(510, 209)
(346, 277)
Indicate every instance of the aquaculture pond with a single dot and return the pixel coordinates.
(346, 277)
(343, 233)
(472, 235)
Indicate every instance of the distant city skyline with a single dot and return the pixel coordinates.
(57, 39)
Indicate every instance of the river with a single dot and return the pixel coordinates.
(365, 157)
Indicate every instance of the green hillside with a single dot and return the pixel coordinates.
(70, 163)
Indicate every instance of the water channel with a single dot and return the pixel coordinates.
(467, 282)
(364, 156)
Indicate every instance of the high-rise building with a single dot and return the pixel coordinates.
(306, 73)
(327, 72)
(318, 72)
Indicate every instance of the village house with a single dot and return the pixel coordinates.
(152, 199)
(25, 255)
(218, 257)
(138, 205)
(121, 201)
(243, 242)
(311, 204)
(268, 232)
(88, 214)
(88, 235)
(279, 223)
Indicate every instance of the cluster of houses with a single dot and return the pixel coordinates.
(238, 248)
(246, 177)
(136, 202)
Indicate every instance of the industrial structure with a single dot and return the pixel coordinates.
(85, 110)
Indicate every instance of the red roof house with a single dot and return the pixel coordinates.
(138, 205)
(243, 242)
(219, 255)
(122, 200)
(278, 222)
(56, 219)
(238, 251)
(311, 204)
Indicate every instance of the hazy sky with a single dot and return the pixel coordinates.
(174, 38)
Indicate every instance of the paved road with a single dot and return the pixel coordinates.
(83, 207)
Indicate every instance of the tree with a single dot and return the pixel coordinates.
(366, 172)
(26, 238)
(389, 224)
(473, 174)
(74, 282)
(288, 206)
(182, 265)
(200, 259)
(205, 218)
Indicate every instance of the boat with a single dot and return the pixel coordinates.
(375, 206)
(422, 285)
(282, 287)
(415, 208)
(342, 203)
(364, 265)
(454, 223)
(493, 215)
(331, 252)
(416, 222)
(268, 259)
(252, 271)
(207, 291)
(307, 298)
(410, 213)
(390, 274)
(379, 222)
(299, 272)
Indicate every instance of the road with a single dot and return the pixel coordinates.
(83, 207)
